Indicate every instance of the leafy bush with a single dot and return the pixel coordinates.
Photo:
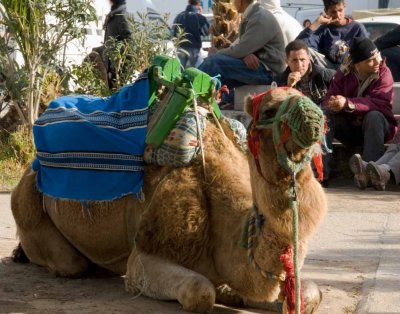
(37, 30)
(16, 151)
(149, 39)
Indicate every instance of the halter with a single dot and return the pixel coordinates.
(286, 124)
(301, 122)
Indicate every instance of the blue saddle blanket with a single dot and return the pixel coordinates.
(91, 148)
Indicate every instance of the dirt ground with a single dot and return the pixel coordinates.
(26, 288)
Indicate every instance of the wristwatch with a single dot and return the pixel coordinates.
(350, 106)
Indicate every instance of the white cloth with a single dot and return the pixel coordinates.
(289, 25)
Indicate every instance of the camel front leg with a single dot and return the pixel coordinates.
(163, 280)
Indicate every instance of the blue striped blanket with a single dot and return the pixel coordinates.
(91, 148)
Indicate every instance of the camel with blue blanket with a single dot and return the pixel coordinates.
(231, 226)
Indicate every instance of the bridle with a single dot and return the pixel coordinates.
(285, 124)
(283, 128)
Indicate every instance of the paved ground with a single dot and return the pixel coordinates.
(354, 258)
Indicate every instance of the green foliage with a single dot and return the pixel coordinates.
(37, 80)
(38, 31)
(129, 58)
(21, 144)
(87, 80)
(16, 151)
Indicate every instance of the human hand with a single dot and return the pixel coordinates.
(322, 19)
(211, 50)
(293, 78)
(252, 62)
(325, 19)
(337, 103)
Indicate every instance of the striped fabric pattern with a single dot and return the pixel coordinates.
(91, 148)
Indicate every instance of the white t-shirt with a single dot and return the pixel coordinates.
(289, 25)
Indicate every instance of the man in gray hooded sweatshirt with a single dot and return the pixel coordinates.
(256, 55)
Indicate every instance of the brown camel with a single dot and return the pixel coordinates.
(183, 242)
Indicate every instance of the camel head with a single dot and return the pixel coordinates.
(287, 122)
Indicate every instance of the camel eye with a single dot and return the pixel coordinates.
(268, 114)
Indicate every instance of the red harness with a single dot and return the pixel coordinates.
(253, 137)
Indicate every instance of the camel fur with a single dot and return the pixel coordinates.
(182, 242)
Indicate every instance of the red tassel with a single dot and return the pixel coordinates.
(317, 159)
(290, 282)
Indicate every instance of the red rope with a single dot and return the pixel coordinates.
(317, 157)
(222, 89)
(253, 137)
(290, 281)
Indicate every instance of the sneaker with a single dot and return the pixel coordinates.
(358, 167)
(379, 175)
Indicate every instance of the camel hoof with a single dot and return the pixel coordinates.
(197, 295)
(312, 296)
(226, 296)
(19, 256)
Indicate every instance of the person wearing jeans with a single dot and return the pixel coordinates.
(359, 102)
(378, 173)
(255, 56)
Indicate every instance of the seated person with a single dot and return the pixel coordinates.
(388, 45)
(332, 33)
(359, 102)
(301, 73)
(255, 56)
(309, 78)
(380, 172)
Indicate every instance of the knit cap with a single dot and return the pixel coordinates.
(362, 49)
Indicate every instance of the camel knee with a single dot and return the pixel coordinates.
(163, 280)
(51, 250)
(73, 266)
(197, 294)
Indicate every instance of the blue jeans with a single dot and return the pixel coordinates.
(234, 72)
(188, 56)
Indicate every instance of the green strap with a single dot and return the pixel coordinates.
(293, 204)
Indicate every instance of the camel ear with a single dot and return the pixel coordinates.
(248, 105)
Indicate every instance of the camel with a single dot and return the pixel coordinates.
(183, 241)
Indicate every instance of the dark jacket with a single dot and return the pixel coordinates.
(329, 39)
(318, 82)
(388, 40)
(377, 96)
(116, 24)
(194, 24)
